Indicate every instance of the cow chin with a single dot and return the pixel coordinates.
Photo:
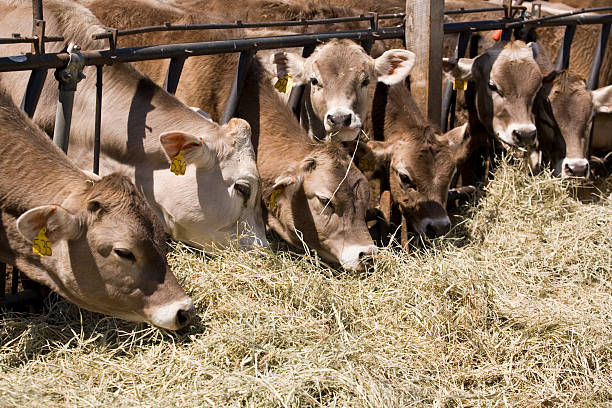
(343, 135)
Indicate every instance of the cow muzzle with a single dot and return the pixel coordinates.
(175, 315)
(342, 124)
(521, 135)
(358, 258)
(575, 168)
(434, 227)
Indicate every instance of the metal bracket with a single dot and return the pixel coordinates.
(38, 31)
(70, 76)
(536, 10)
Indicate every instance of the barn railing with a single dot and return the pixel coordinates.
(69, 64)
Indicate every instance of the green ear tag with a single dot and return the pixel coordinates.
(178, 164)
(275, 193)
(367, 164)
(284, 84)
(460, 84)
(41, 245)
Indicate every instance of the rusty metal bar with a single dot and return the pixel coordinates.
(98, 125)
(449, 97)
(604, 35)
(564, 52)
(174, 74)
(244, 63)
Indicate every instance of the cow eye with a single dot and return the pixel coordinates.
(243, 189)
(493, 87)
(315, 82)
(326, 202)
(125, 254)
(365, 82)
(405, 179)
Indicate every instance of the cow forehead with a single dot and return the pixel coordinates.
(340, 58)
(516, 71)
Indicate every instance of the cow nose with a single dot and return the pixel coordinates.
(578, 168)
(525, 137)
(437, 227)
(366, 256)
(338, 121)
(184, 316)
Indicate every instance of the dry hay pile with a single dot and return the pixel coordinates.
(518, 313)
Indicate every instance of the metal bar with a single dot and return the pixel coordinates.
(604, 35)
(506, 34)
(37, 10)
(174, 74)
(237, 24)
(31, 40)
(449, 97)
(63, 118)
(564, 52)
(96, 152)
(104, 57)
(295, 97)
(538, 21)
(33, 90)
(244, 63)
(474, 10)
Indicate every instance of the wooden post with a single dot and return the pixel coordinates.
(424, 34)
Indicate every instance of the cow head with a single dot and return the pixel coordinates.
(218, 199)
(420, 165)
(108, 254)
(565, 109)
(338, 76)
(506, 80)
(321, 201)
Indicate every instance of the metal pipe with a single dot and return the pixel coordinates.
(33, 91)
(474, 10)
(37, 10)
(538, 21)
(244, 63)
(295, 97)
(604, 35)
(96, 152)
(31, 40)
(63, 118)
(174, 74)
(564, 52)
(449, 96)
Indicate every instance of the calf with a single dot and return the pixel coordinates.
(106, 250)
(338, 76)
(217, 200)
(313, 194)
(564, 110)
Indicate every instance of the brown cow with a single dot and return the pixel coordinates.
(564, 110)
(107, 249)
(313, 194)
(416, 162)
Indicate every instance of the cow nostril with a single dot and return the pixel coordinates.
(430, 231)
(568, 169)
(330, 120)
(525, 137)
(347, 120)
(184, 316)
(339, 121)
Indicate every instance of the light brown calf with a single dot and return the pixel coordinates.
(107, 248)
(314, 196)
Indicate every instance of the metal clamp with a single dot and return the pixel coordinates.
(70, 76)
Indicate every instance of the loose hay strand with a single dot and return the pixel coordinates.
(516, 313)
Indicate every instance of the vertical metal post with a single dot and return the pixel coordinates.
(246, 57)
(174, 74)
(68, 79)
(96, 154)
(15, 281)
(563, 57)
(450, 96)
(37, 76)
(604, 35)
(295, 97)
(424, 34)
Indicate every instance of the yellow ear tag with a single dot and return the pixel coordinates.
(367, 164)
(284, 84)
(41, 245)
(178, 164)
(275, 193)
(460, 84)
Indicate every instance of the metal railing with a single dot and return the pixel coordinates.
(68, 65)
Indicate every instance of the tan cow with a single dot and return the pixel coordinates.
(314, 195)
(106, 249)
(338, 77)
(564, 110)
(416, 162)
(218, 198)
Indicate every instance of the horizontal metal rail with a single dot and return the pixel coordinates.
(539, 21)
(463, 10)
(105, 57)
(18, 39)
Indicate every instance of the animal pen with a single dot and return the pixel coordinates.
(424, 19)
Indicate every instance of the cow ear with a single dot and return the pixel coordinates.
(290, 63)
(238, 129)
(602, 99)
(458, 69)
(58, 222)
(393, 66)
(195, 150)
(91, 175)
(456, 138)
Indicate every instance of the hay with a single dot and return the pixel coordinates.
(516, 313)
